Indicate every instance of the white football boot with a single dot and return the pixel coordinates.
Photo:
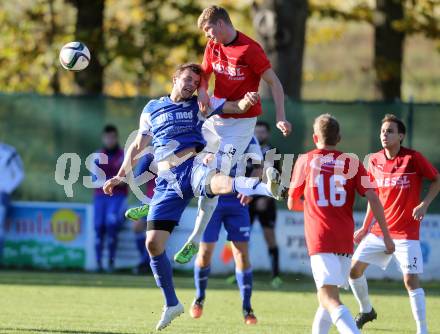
(169, 314)
(274, 185)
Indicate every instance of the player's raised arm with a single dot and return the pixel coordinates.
(242, 105)
(379, 214)
(131, 158)
(202, 92)
(278, 96)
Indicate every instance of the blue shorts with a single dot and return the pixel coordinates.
(175, 188)
(235, 218)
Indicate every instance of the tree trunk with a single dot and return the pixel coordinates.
(89, 30)
(54, 80)
(281, 28)
(388, 49)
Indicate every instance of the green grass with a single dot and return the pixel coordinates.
(39, 302)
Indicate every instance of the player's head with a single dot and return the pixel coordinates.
(326, 131)
(262, 132)
(110, 137)
(215, 23)
(186, 80)
(392, 131)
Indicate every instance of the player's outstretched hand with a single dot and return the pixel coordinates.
(252, 98)
(244, 200)
(203, 101)
(285, 127)
(419, 211)
(389, 245)
(249, 99)
(208, 158)
(359, 235)
(110, 184)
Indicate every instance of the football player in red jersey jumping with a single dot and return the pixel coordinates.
(398, 172)
(238, 64)
(328, 179)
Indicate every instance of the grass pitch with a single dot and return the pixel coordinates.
(37, 302)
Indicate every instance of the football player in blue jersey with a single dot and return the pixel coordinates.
(173, 125)
(232, 212)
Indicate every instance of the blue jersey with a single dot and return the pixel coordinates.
(175, 126)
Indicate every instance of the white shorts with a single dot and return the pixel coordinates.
(229, 136)
(330, 269)
(408, 254)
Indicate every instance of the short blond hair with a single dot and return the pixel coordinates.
(326, 127)
(212, 14)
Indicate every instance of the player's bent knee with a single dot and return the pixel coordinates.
(241, 258)
(411, 281)
(203, 259)
(356, 271)
(154, 248)
(242, 263)
(328, 296)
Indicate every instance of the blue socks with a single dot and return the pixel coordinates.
(99, 244)
(112, 241)
(201, 280)
(244, 282)
(163, 274)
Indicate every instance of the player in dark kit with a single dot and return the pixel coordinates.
(108, 211)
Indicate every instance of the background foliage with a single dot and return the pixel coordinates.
(145, 39)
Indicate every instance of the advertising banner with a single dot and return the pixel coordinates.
(289, 231)
(49, 235)
(61, 235)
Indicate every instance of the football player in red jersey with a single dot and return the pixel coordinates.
(328, 179)
(398, 172)
(238, 64)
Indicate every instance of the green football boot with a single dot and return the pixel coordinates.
(186, 253)
(137, 213)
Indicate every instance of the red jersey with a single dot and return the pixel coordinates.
(237, 67)
(115, 159)
(328, 180)
(399, 184)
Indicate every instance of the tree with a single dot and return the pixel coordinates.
(136, 44)
(392, 21)
(281, 27)
(159, 35)
(30, 37)
(388, 49)
(89, 29)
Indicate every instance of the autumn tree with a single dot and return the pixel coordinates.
(89, 29)
(134, 44)
(392, 20)
(281, 28)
